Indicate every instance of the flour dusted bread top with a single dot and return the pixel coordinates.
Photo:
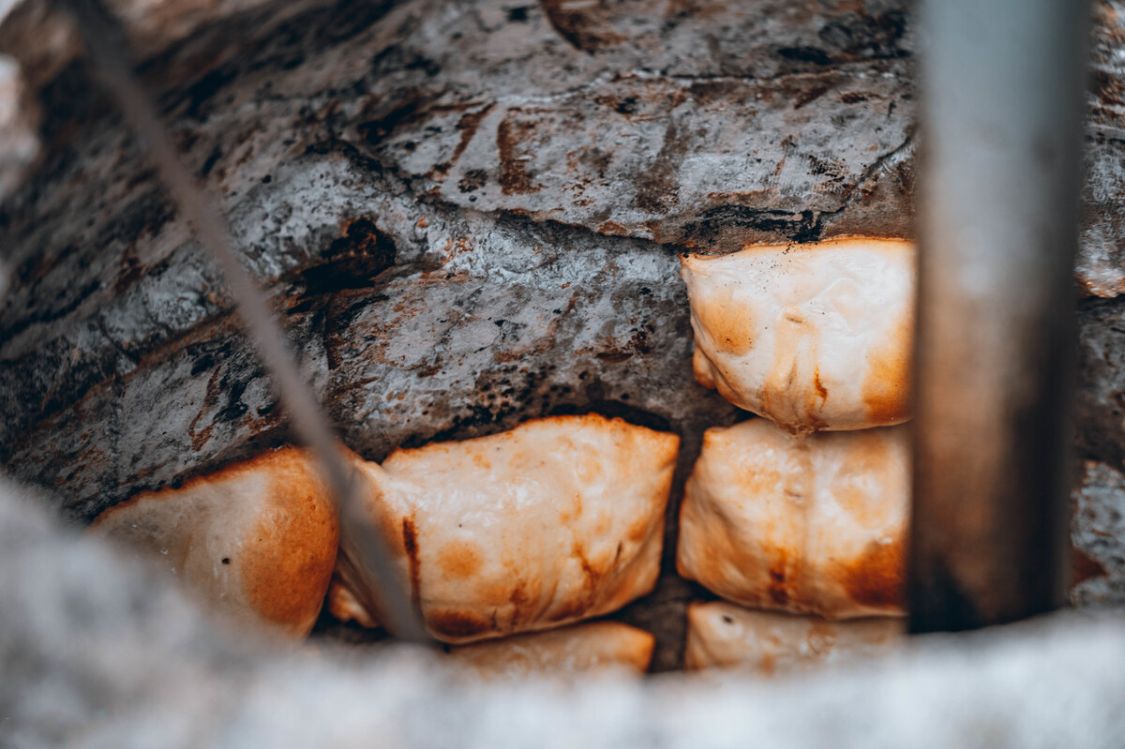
(722, 635)
(557, 520)
(811, 524)
(812, 336)
(569, 650)
(256, 541)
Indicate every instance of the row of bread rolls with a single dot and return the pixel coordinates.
(561, 519)
(258, 541)
(799, 512)
(558, 520)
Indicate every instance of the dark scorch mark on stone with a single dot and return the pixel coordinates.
(862, 36)
(353, 260)
(714, 222)
(468, 125)
(473, 179)
(374, 131)
(203, 90)
(513, 173)
(659, 187)
(212, 159)
(583, 28)
(805, 54)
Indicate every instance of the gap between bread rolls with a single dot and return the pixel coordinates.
(808, 524)
(557, 520)
(722, 635)
(812, 336)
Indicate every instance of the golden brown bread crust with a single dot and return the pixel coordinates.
(811, 524)
(256, 540)
(569, 650)
(722, 635)
(557, 520)
(813, 336)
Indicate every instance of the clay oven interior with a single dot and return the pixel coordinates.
(468, 215)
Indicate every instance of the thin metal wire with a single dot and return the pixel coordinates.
(108, 49)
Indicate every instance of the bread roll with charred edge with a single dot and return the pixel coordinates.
(557, 520)
(256, 541)
(812, 336)
(811, 524)
(570, 650)
(722, 635)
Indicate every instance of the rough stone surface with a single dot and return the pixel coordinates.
(1098, 527)
(98, 651)
(1101, 387)
(1101, 261)
(468, 214)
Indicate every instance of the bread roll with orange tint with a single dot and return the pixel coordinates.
(722, 635)
(570, 650)
(256, 541)
(812, 336)
(811, 524)
(557, 520)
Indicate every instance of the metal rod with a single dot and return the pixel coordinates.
(1003, 97)
(107, 45)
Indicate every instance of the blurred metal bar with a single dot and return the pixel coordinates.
(1003, 84)
(108, 48)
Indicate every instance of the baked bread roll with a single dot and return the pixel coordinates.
(722, 635)
(256, 541)
(557, 520)
(812, 524)
(812, 336)
(570, 650)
